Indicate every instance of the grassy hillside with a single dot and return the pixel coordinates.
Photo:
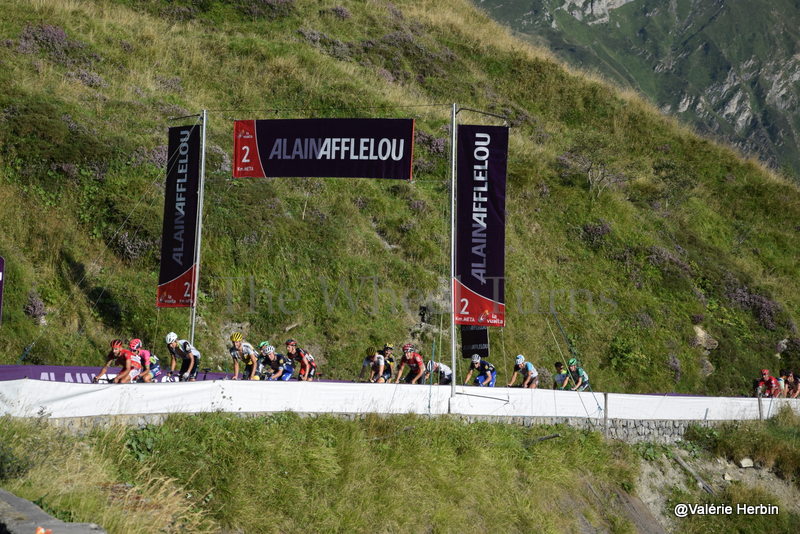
(631, 227)
(283, 473)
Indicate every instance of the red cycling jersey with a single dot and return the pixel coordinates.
(770, 387)
(124, 356)
(413, 360)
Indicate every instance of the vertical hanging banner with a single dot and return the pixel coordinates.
(474, 340)
(176, 280)
(479, 285)
(318, 148)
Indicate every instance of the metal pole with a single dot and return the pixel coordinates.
(198, 237)
(453, 247)
(605, 414)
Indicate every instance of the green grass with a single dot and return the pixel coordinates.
(345, 264)
(284, 473)
(773, 444)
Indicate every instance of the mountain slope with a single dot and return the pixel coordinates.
(728, 68)
(631, 227)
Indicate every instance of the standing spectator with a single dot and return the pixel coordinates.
(487, 374)
(561, 378)
(443, 374)
(123, 358)
(530, 376)
(242, 351)
(149, 362)
(189, 356)
(303, 359)
(768, 385)
(280, 366)
(578, 376)
(416, 366)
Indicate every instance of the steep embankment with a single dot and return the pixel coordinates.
(633, 229)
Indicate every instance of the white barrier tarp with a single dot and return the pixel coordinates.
(513, 402)
(35, 398)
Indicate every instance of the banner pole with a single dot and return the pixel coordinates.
(453, 247)
(198, 238)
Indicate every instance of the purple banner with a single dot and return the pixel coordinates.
(480, 228)
(81, 375)
(342, 148)
(176, 278)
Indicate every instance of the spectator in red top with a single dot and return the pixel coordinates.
(415, 364)
(768, 386)
(123, 358)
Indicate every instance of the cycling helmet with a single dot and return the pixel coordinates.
(519, 359)
(116, 343)
(429, 366)
(408, 347)
(371, 352)
(135, 344)
(172, 337)
(572, 361)
(765, 371)
(263, 344)
(269, 348)
(291, 343)
(476, 358)
(237, 336)
(388, 346)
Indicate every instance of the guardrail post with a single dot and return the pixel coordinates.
(605, 414)
(760, 410)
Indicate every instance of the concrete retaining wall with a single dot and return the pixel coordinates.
(629, 431)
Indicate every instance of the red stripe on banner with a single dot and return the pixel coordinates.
(474, 309)
(177, 293)
(247, 162)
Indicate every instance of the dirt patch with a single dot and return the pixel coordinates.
(658, 477)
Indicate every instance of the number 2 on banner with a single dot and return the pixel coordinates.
(246, 157)
(464, 305)
(188, 293)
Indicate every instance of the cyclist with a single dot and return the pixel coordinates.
(444, 375)
(768, 385)
(190, 357)
(242, 351)
(487, 374)
(561, 378)
(262, 359)
(791, 389)
(577, 375)
(530, 376)
(388, 360)
(304, 360)
(150, 364)
(416, 366)
(280, 366)
(379, 372)
(123, 358)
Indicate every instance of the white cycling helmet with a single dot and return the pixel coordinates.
(172, 337)
(476, 358)
(269, 348)
(429, 366)
(520, 358)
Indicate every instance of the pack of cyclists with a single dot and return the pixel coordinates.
(265, 363)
